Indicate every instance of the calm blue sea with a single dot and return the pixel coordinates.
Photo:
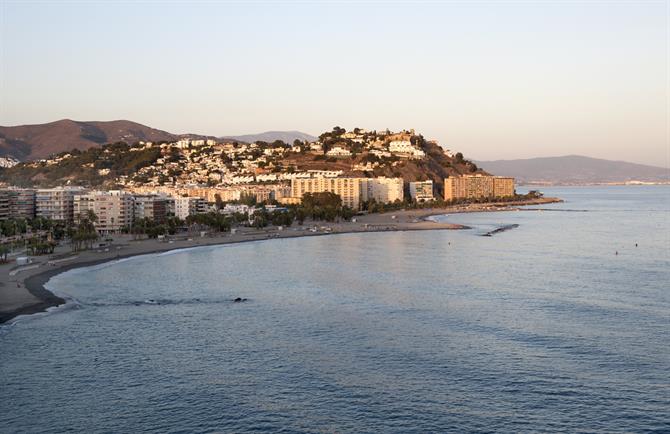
(541, 328)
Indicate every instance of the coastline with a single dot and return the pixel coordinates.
(23, 292)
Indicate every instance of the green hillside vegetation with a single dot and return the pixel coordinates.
(83, 167)
(112, 165)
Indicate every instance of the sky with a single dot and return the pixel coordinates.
(494, 80)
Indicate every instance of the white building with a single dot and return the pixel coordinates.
(380, 154)
(382, 189)
(338, 151)
(266, 177)
(421, 191)
(241, 179)
(114, 209)
(56, 203)
(234, 208)
(405, 147)
(186, 206)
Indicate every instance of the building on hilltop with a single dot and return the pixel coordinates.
(405, 148)
(338, 151)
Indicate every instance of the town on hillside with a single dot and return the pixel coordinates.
(161, 185)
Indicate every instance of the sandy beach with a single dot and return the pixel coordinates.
(22, 290)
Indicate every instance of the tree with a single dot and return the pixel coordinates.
(248, 199)
(84, 233)
(337, 131)
(323, 206)
(218, 200)
(300, 215)
(4, 251)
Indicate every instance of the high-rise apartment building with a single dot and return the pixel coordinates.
(348, 189)
(21, 203)
(56, 203)
(382, 189)
(151, 207)
(421, 191)
(114, 209)
(477, 187)
(186, 206)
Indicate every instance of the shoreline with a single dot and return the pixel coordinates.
(30, 295)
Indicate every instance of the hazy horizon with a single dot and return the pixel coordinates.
(494, 81)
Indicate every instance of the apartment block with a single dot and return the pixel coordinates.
(421, 191)
(56, 203)
(4, 204)
(503, 186)
(347, 188)
(186, 206)
(477, 187)
(22, 203)
(382, 189)
(151, 207)
(114, 209)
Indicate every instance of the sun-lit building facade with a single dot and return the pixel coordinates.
(477, 187)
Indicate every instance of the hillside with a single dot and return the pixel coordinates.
(271, 136)
(29, 142)
(224, 163)
(575, 169)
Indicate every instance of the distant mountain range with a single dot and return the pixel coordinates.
(30, 142)
(575, 169)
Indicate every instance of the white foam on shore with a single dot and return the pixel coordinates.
(185, 249)
(70, 303)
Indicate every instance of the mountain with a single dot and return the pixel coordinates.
(121, 165)
(29, 142)
(574, 169)
(271, 136)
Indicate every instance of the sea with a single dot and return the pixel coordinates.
(559, 324)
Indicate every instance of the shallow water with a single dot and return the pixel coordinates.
(538, 328)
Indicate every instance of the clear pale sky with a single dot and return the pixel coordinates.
(491, 79)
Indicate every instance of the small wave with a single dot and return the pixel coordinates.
(70, 303)
(555, 210)
(179, 250)
(162, 302)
